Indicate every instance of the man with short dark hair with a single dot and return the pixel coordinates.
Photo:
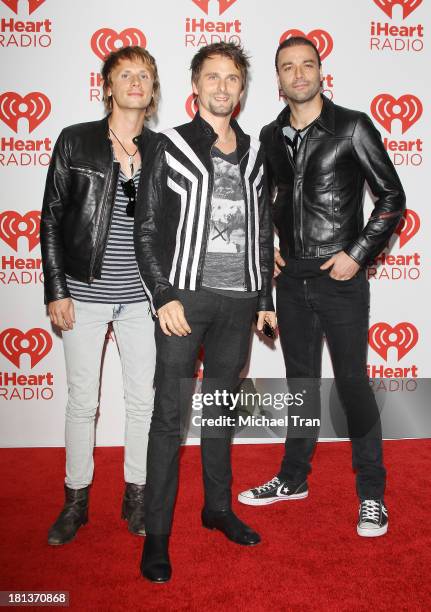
(319, 157)
(204, 244)
(92, 278)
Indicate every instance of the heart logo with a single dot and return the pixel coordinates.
(105, 40)
(35, 107)
(320, 38)
(37, 343)
(382, 336)
(408, 226)
(407, 108)
(387, 6)
(13, 226)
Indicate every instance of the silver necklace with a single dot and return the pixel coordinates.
(130, 157)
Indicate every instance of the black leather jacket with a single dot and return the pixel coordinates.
(173, 212)
(78, 204)
(318, 209)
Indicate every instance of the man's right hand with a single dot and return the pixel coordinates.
(278, 262)
(172, 319)
(62, 313)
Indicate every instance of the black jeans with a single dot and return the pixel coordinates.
(307, 310)
(222, 326)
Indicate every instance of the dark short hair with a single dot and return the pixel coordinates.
(296, 41)
(132, 53)
(230, 50)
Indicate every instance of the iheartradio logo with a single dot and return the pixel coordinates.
(223, 5)
(403, 337)
(106, 40)
(385, 108)
(32, 5)
(37, 343)
(321, 38)
(408, 226)
(13, 226)
(35, 107)
(192, 107)
(408, 6)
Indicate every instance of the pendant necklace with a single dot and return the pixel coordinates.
(130, 157)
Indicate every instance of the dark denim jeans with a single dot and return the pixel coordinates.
(308, 310)
(222, 325)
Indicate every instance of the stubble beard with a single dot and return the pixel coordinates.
(220, 111)
(302, 98)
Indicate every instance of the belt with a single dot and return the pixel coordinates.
(315, 250)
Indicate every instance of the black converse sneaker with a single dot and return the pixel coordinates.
(273, 491)
(373, 518)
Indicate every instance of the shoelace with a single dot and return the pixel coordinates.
(370, 510)
(268, 485)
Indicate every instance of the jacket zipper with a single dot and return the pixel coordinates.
(244, 193)
(294, 181)
(207, 217)
(304, 144)
(102, 215)
(87, 171)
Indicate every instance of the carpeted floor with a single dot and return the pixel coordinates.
(310, 557)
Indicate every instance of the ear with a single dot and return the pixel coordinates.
(194, 88)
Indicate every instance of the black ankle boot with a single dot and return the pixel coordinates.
(73, 515)
(228, 523)
(133, 508)
(155, 564)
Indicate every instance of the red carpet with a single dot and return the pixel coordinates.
(310, 557)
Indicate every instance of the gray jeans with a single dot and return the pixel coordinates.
(83, 347)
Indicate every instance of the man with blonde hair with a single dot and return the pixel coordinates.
(92, 278)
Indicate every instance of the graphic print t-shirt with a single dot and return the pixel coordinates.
(224, 266)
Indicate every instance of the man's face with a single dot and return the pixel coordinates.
(299, 75)
(131, 85)
(219, 87)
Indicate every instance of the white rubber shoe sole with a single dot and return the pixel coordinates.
(250, 501)
(372, 532)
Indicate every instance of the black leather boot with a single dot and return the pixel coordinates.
(133, 508)
(155, 563)
(228, 523)
(73, 515)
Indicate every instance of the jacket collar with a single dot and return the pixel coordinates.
(140, 139)
(326, 120)
(143, 139)
(102, 128)
(203, 128)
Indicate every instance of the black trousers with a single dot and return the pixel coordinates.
(308, 310)
(222, 326)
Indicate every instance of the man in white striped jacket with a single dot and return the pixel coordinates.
(204, 245)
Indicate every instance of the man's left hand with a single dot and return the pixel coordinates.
(343, 267)
(268, 316)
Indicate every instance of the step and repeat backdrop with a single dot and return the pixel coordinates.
(376, 59)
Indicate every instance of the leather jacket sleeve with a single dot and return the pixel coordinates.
(385, 185)
(270, 178)
(148, 229)
(266, 245)
(56, 193)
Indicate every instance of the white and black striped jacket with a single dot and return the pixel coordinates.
(173, 209)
